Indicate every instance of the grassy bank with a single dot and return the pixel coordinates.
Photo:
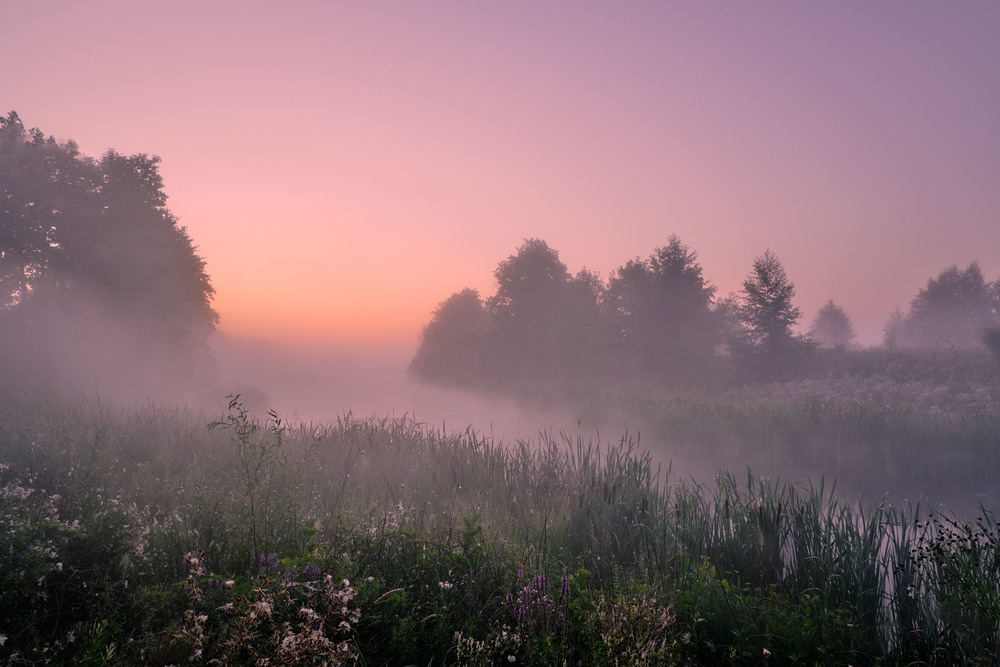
(166, 536)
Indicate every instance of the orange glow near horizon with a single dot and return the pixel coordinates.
(343, 167)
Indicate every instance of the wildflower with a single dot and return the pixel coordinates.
(511, 658)
(445, 584)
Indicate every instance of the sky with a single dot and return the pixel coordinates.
(343, 167)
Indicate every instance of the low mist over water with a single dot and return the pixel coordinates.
(315, 383)
(799, 432)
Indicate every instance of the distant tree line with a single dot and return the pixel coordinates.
(658, 320)
(957, 309)
(99, 285)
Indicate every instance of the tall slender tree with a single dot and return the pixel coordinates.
(767, 309)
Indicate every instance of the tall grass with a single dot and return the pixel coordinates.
(871, 435)
(143, 536)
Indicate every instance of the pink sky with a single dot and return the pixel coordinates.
(345, 166)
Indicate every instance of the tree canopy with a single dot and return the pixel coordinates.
(657, 320)
(661, 310)
(954, 309)
(95, 272)
(542, 315)
(452, 344)
(527, 280)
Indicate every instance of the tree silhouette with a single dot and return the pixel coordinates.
(92, 263)
(531, 285)
(527, 280)
(832, 327)
(661, 310)
(453, 345)
(581, 333)
(767, 309)
(954, 309)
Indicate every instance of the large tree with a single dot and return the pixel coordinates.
(953, 309)
(453, 345)
(767, 309)
(661, 311)
(530, 285)
(546, 319)
(97, 278)
(527, 280)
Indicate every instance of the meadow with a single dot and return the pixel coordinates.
(163, 535)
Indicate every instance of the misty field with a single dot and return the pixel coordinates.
(167, 536)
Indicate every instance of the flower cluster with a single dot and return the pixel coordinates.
(284, 622)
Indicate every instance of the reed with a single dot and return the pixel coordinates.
(458, 548)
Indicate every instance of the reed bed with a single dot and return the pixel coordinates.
(166, 535)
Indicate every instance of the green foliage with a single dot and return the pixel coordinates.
(261, 492)
(459, 550)
(912, 427)
(960, 561)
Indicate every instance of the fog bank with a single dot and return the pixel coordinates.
(304, 383)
